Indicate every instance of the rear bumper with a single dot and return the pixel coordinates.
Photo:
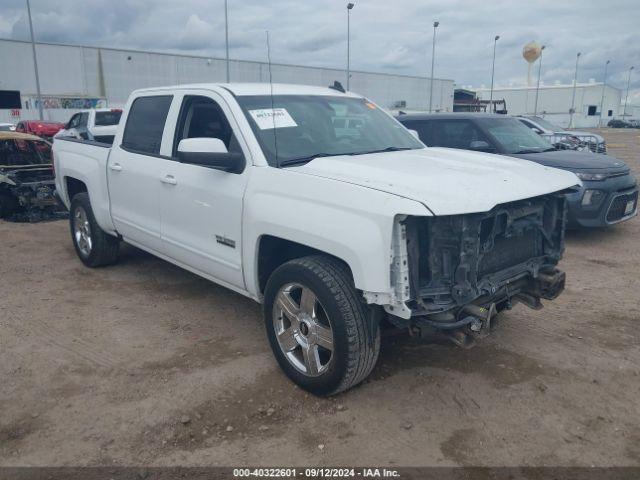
(610, 208)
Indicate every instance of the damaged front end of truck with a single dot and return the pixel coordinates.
(452, 274)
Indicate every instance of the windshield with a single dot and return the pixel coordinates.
(514, 137)
(309, 126)
(18, 152)
(104, 119)
(545, 124)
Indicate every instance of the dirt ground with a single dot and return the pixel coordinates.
(146, 364)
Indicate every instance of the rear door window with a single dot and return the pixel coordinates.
(104, 119)
(145, 124)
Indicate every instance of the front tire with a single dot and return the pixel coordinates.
(321, 332)
(94, 246)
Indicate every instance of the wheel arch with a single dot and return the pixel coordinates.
(273, 251)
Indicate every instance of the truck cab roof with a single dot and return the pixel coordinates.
(249, 89)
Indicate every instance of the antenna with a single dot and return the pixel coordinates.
(273, 111)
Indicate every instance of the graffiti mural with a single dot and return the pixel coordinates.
(77, 103)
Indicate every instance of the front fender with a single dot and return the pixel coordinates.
(350, 222)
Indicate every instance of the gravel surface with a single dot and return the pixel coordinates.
(142, 363)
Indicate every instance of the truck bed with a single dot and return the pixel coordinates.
(84, 161)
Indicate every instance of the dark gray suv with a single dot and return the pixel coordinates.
(609, 193)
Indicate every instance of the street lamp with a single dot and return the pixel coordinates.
(535, 105)
(226, 36)
(433, 58)
(493, 68)
(35, 63)
(626, 98)
(604, 86)
(573, 97)
(349, 8)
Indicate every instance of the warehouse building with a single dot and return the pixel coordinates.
(74, 77)
(554, 102)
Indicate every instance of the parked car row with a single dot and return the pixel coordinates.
(609, 192)
(624, 124)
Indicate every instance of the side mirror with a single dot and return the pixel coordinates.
(538, 131)
(481, 146)
(414, 133)
(210, 152)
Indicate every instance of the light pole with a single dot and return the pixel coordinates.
(35, 62)
(493, 68)
(349, 8)
(535, 105)
(604, 86)
(433, 59)
(573, 96)
(626, 98)
(226, 36)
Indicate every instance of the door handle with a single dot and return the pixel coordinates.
(169, 179)
(116, 167)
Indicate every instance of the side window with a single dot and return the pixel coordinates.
(73, 123)
(84, 118)
(528, 124)
(424, 129)
(145, 124)
(202, 117)
(455, 134)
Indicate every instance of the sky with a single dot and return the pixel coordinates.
(392, 36)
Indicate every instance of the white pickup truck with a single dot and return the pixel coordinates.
(337, 233)
(98, 125)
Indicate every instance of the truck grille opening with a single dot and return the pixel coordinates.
(456, 259)
(509, 251)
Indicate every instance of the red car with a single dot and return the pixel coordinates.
(41, 129)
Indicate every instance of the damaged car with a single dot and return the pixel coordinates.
(317, 204)
(27, 181)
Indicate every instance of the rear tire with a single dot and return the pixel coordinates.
(94, 246)
(333, 342)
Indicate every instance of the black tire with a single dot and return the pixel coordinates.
(356, 334)
(104, 247)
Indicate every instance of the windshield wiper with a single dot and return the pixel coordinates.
(388, 149)
(302, 160)
(530, 150)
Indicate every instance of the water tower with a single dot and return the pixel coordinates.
(531, 52)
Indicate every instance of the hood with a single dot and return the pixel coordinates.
(575, 161)
(579, 133)
(446, 181)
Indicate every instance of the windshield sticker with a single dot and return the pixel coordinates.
(266, 118)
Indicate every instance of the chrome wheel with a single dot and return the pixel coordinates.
(303, 329)
(82, 231)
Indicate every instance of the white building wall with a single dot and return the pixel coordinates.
(76, 71)
(554, 102)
